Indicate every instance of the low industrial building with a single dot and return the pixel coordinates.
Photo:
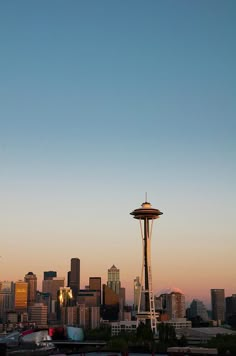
(127, 326)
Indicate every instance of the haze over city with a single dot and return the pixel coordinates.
(101, 102)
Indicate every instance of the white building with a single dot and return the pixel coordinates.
(127, 326)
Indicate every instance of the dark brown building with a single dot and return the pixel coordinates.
(95, 283)
(74, 282)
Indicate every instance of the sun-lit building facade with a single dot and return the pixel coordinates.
(20, 296)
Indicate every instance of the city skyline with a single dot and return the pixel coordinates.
(131, 297)
(102, 102)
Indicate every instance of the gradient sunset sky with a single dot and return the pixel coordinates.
(102, 101)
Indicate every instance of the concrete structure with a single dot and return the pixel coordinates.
(31, 279)
(125, 326)
(38, 314)
(218, 305)
(146, 215)
(20, 296)
(74, 277)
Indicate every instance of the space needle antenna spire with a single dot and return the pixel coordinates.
(146, 311)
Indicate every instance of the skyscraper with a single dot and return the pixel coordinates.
(95, 283)
(218, 304)
(75, 276)
(230, 304)
(20, 296)
(31, 279)
(52, 286)
(49, 275)
(198, 309)
(175, 305)
(114, 279)
(38, 314)
(137, 292)
(6, 299)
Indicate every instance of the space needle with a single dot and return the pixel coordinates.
(146, 308)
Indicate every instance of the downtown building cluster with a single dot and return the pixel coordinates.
(62, 302)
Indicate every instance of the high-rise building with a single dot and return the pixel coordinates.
(111, 304)
(7, 287)
(95, 283)
(198, 309)
(94, 317)
(88, 297)
(20, 296)
(49, 275)
(114, 279)
(64, 299)
(75, 276)
(52, 286)
(6, 299)
(69, 315)
(218, 304)
(137, 292)
(83, 316)
(230, 305)
(38, 314)
(31, 279)
(175, 305)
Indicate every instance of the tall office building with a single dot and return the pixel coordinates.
(20, 296)
(74, 277)
(6, 299)
(198, 309)
(49, 275)
(111, 304)
(64, 299)
(31, 279)
(114, 279)
(95, 283)
(7, 287)
(218, 304)
(52, 286)
(230, 306)
(38, 314)
(175, 305)
(137, 292)
(88, 297)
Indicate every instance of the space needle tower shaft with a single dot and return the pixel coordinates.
(146, 308)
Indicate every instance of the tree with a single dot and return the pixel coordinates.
(144, 332)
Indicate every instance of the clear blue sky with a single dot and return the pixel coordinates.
(100, 102)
